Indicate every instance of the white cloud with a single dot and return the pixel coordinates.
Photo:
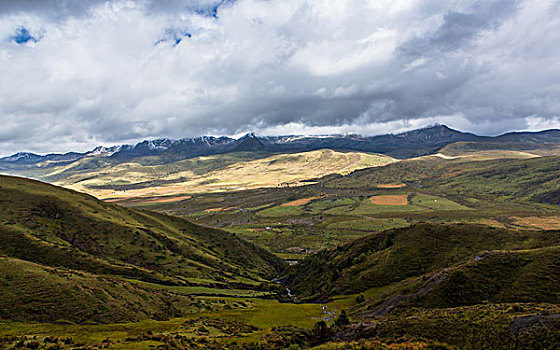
(115, 71)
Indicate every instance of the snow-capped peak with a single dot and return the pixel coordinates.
(104, 151)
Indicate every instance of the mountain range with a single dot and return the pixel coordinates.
(404, 145)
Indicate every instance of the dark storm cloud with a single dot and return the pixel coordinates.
(461, 28)
(77, 73)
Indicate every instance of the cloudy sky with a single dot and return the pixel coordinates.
(78, 73)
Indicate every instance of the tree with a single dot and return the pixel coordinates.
(321, 332)
(342, 319)
(360, 299)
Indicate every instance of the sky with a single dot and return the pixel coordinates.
(79, 73)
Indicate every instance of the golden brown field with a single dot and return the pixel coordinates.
(302, 201)
(389, 199)
(389, 186)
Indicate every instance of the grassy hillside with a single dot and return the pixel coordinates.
(463, 148)
(44, 218)
(485, 326)
(473, 176)
(500, 277)
(61, 229)
(532, 179)
(144, 177)
(396, 255)
(452, 286)
(33, 292)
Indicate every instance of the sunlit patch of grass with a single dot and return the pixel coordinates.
(264, 314)
(280, 211)
(201, 290)
(370, 224)
(435, 203)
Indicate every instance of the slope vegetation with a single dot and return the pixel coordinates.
(396, 255)
(33, 292)
(530, 179)
(500, 277)
(513, 148)
(145, 177)
(57, 239)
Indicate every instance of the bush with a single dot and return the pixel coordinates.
(342, 319)
(360, 299)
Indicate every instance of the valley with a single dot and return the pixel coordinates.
(451, 245)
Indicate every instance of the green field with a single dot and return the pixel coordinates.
(438, 190)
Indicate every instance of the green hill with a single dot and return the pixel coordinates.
(33, 292)
(73, 235)
(530, 179)
(511, 175)
(454, 286)
(500, 277)
(465, 147)
(396, 255)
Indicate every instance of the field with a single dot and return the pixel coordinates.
(389, 186)
(399, 199)
(258, 320)
(543, 222)
(279, 325)
(293, 222)
(300, 202)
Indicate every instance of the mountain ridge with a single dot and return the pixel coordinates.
(402, 145)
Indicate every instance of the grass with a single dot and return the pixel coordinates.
(413, 328)
(372, 224)
(33, 292)
(281, 211)
(435, 203)
(54, 232)
(145, 180)
(263, 314)
(480, 326)
(395, 255)
(208, 291)
(501, 277)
